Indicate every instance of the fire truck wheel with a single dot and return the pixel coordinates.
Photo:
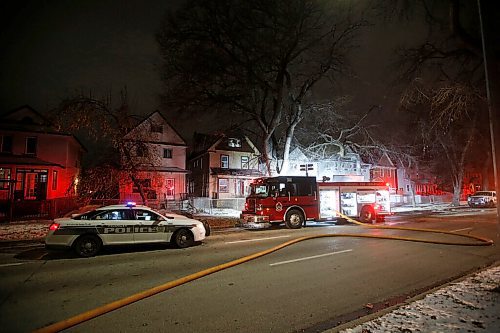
(294, 219)
(367, 215)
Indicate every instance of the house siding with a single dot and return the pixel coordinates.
(33, 174)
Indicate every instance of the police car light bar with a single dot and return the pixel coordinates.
(131, 204)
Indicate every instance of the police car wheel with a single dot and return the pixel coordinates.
(183, 238)
(87, 245)
(294, 219)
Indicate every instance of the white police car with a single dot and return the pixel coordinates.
(122, 224)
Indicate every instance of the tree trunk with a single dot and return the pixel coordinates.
(286, 150)
(138, 183)
(457, 186)
(267, 154)
(412, 191)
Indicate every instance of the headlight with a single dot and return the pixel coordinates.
(259, 207)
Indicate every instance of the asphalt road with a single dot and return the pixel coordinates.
(308, 287)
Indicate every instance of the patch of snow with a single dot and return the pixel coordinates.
(218, 212)
(24, 230)
(471, 305)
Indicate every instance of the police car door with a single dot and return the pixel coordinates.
(116, 226)
(150, 227)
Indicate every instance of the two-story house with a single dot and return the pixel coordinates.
(222, 165)
(155, 159)
(36, 161)
(385, 171)
(336, 168)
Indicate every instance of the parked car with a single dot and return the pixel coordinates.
(123, 224)
(483, 199)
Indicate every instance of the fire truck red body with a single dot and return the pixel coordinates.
(293, 200)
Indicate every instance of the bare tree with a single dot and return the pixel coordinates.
(105, 127)
(444, 81)
(447, 125)
(259, 59)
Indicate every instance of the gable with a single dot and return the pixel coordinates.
(385, 161)
(297, 155)
(234, 143)
(155, 129)
(24, 115)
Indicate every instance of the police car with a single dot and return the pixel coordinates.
(87, 233)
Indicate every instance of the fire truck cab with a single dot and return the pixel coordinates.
(294, 199)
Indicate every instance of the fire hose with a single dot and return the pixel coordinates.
(88, 315)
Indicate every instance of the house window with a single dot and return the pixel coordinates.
(54, 180)
(244, 162)
(224, 161)
(6, 144)
(223, 185)
(156, 128)
(141, 151)
(4, 178)
(167, 153)
(31, 144)
(233, 142)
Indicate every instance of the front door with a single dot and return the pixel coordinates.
(170, 189)
(31, 187)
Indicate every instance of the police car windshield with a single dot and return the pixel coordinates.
(258, 190)
(85, 216)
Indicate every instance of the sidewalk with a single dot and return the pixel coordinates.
(471, 304)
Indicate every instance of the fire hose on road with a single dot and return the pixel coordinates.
(88, 315)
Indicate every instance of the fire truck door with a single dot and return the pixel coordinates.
(348, 203)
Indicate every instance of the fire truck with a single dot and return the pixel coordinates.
(294, 200)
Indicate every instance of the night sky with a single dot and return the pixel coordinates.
(52, 49)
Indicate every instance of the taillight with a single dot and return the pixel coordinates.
(54, 226)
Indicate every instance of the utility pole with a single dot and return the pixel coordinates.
(491, 57)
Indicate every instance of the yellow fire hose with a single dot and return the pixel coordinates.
(85, 316)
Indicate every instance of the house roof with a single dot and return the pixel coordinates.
(235, 172)
(220, 141)
(385, 161)
(164, 169)
(26, 119)
(157, 113)
(25, 160)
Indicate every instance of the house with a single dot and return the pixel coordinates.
(385, 171)
(336, 168)
(222, 165)
(154, 161)
(36, 162)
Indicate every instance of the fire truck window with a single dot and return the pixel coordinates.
(304, 189)
(260, 190)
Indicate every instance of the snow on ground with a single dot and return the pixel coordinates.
(470, 305)
(24, 230)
